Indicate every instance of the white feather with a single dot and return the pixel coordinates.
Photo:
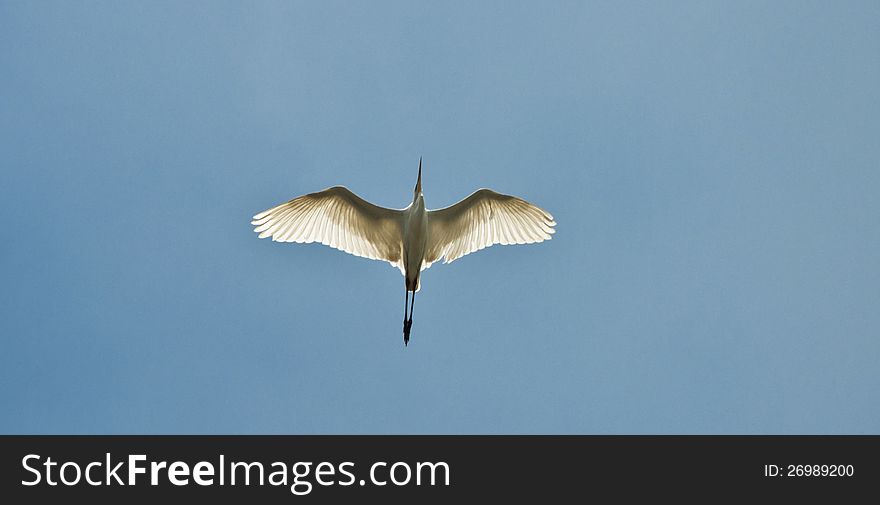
(338, 218)
(481, 220)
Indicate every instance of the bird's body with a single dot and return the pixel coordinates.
(415, 241)
(412, 238)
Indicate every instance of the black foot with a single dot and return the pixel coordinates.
(407, 325)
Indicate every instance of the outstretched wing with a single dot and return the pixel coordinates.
(483, 219)
(338, 218)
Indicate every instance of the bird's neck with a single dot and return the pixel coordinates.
(419, 201)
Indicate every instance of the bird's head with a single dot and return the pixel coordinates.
(418, 189)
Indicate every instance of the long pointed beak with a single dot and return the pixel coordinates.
(419, 181)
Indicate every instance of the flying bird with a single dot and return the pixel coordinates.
(411, 238)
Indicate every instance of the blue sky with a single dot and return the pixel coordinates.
(713, 167)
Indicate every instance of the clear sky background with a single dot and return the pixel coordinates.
(714, 169)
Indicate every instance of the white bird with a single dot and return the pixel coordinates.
(412, 238)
